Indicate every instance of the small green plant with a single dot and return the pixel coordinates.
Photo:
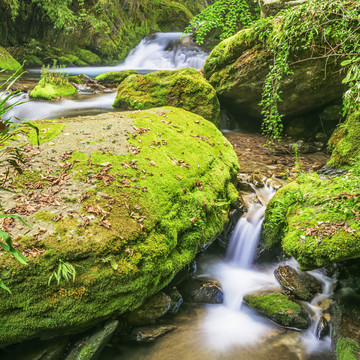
(53, 74)
(65, 271)
(297, 160)
(112, 262)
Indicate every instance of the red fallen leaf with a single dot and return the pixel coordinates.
(290, 311)
(105, 223)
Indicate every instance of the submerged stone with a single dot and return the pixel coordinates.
(184, 88)
(280, 309)
(114, 197)
(149, 334)
(302, 285)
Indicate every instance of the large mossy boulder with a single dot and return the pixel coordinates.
(184, 88)
(315, 219)
(7, 62)
(123, 201)
(345, 142)
(53, 90)
(279, 308)
(238, 66)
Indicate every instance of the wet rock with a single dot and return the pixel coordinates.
(256, 180)
(274, 183)
(323, 328)
(176, 299)
(321, 137)
(280, 309)
(196, 291)
(243, 184)
(148, 334)
(90, 347)
(208, 293)
(86, 84)
(152, 309)
(302, 285)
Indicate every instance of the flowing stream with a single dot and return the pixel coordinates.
(160, 51)
(224, 331)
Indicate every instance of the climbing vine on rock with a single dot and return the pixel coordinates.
(313, 31)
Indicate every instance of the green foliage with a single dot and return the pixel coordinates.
(10, 160)
(54, 75)
(65, 271)
(227, 15)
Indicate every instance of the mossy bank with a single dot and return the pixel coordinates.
(126, 199)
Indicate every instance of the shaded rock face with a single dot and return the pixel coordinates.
(302, 285)
(323, 328)
(184, 88)
(279, 308)
(113, 196)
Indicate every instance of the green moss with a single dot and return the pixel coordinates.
(48, 130)
(75, 79)
(345, 142)
(316, 219)
(183, 168)
(51, 91)
(88, 57)
(347, 349)
(114, 77)
(43, 216)
(185, 88)
(280, 309)
(7, 62)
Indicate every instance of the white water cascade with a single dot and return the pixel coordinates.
(159, 51)
(232, 324)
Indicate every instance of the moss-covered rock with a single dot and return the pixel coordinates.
(347, 349)
(279, 308)
(184, 88)
(53, 90)
(7, 62)
(316, 219)
(345, 142)
(114, 78)
(133, 197)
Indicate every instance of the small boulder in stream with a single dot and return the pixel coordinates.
(280, 309)
(302, 285)
(148, 334)
(196, 291)
(322, 328)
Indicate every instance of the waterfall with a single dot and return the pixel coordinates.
(159, 51)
